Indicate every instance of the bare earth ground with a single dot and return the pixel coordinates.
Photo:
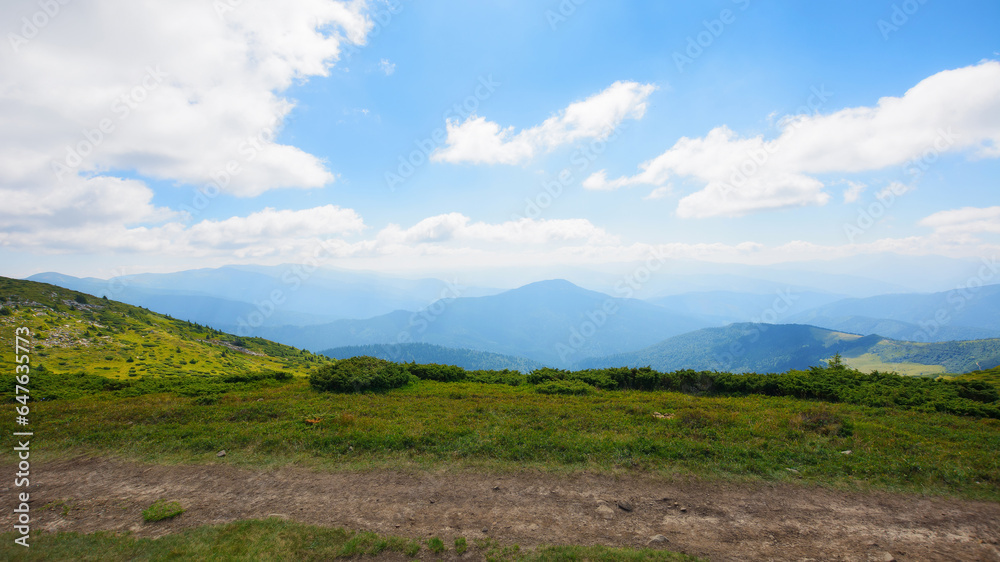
(719, 521)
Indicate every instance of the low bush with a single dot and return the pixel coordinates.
(569, 387)
(359, 374)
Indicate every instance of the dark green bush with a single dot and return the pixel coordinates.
(359, 374)
(569, 387)
(435, 372)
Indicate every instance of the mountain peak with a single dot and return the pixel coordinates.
(560, 284)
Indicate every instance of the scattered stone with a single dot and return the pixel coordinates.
(625, 506)
(657, 540)
(221, 453)
(605, 511)
(660, 416)
(684, 510)
(792, 470)
(888, 557)
(432, 501)
(350, 447)
(847, 452)
(496, 488)
(485, 530)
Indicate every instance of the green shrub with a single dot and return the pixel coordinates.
(461, 545)
(570, 387)
(434, 372)
(162, 509)
(359, 374)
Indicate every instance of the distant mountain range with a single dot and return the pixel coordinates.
(552, 322)
(726, 307)
(559, 324)
(740, 348)
(234, 296)
(959, 314)
(775, 348)
(425, 353)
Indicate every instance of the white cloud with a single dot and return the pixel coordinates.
(854, 191)
(271, 224)
(183, 89)
(479, 141)
(265, 232)
(387, 67)
(456, 227)
(893, 189)
(658, 193)
(965, 221)
(950, 111)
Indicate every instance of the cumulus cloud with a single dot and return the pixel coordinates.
(266, 232)
(479, 141)
(460, 228)
(954, 110)
(965, 221)
(178, 93)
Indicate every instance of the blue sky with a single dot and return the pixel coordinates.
(592, 90)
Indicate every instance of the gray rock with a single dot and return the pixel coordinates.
(221, 453)
(605, 511)
(658, 540)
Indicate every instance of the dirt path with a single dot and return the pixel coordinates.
(717, 521)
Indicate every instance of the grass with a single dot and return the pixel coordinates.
(870, 362)
(436, 425)
(278, 540)
(119, 341)
(160, 510)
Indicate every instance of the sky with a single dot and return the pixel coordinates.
(417, 137)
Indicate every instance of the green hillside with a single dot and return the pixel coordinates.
(774, 348)
(71, 333)
(952, 356)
